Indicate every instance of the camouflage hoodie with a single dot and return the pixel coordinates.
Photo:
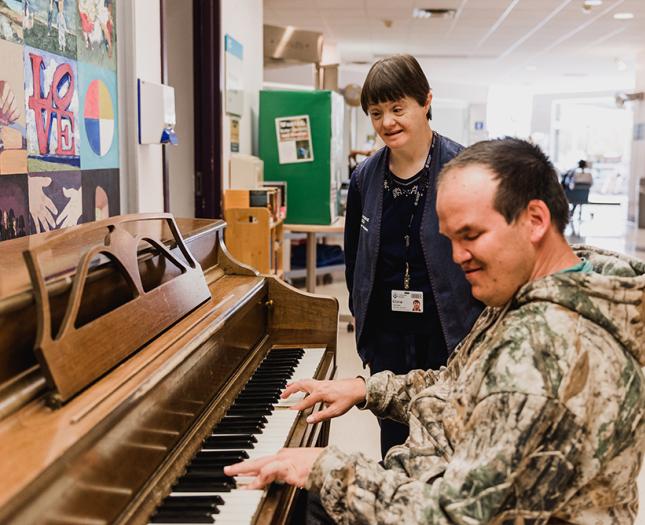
(538, 417)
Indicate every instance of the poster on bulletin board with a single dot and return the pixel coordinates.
(234, 76)
(294, 139)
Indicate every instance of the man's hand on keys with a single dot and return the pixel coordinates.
(338, 396)
(289, 465)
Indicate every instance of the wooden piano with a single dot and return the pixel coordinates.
(135, 357)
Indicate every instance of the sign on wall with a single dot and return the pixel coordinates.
(59, 147)
(234, 77)
(294, 139)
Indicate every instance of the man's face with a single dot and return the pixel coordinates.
(496, 257)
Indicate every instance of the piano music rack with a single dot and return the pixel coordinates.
(74, 356)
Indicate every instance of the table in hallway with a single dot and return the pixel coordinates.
(338, 226)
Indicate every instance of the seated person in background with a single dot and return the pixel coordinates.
(577, 183)
(538, 416)
(582, 176)
(579, 177)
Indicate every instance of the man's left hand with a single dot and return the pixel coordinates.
(289, 465)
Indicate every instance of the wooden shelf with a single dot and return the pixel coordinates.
(254, 238)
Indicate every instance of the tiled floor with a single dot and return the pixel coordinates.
(603, 226)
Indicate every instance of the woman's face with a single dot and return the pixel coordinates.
(401, 122)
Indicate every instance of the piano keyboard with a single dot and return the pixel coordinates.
(257, 424)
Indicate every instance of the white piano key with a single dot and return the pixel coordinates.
(240, 505)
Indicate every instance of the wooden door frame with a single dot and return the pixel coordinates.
(207, 48)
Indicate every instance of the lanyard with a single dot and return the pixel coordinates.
(424, 182)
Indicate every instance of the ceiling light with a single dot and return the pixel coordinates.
(592, 3)
(623, 16)
(419, 12)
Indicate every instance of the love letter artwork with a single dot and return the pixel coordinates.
(59, 114)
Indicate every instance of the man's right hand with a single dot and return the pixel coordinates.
(338, 396)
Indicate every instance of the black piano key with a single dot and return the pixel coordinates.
(274, 380)
(281, 365)
(269, 382)
(224, 446)
(264, 400)
(176, 505)
(202, 486)
(243, 428)
(205, 471)
(249, 411)
(208, 464)
(250, 404)
(250, 396)
(281, 360)
(286, 351)
(236, 441)
(261, 389)
(239, 455)
(193, 500)
(273, 371)
(253, 410)
(204, 476)
(253, 388)
(250, 427)
(181, 516)
(244, 419)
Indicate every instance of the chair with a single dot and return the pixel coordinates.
(577, 196)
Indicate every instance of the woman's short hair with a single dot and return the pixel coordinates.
(393, 78)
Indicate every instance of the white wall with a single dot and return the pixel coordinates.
(638, 147)
(542, 117)
(450, 118)
(139, 56)
(181, 158)
(294, 74)
(477, 114)
(243, 21)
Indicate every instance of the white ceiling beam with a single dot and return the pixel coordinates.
(499, 22)
(539, 26)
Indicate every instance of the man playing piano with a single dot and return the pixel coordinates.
(538, 417)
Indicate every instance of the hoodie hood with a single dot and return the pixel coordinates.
(612, 296)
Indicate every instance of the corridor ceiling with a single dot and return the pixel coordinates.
(542, 44)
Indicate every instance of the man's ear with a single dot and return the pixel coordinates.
(538, 219)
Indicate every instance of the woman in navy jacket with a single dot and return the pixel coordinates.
(411, 302)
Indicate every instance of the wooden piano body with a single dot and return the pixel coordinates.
(109, 448)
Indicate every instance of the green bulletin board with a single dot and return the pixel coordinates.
(310, 185)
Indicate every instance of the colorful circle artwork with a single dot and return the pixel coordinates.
(99, 117)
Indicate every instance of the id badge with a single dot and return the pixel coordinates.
(407, 301)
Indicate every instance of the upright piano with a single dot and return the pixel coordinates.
(137, 357)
